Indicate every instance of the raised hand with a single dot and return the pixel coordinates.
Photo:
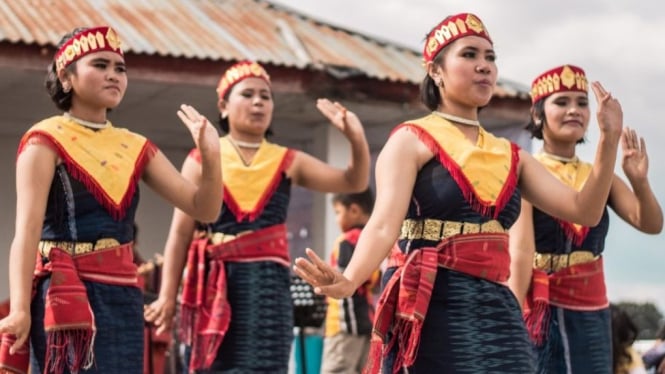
(17, 324)
(324, 278)
(346, 121)
(635, 160)
(609, 112)
(204, 134)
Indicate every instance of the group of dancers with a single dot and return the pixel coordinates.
(500, 260)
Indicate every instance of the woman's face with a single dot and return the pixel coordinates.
(566, 116)
(100, 80)
(469, 72)
(249, 106)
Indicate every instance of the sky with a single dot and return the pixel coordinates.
(620, 43)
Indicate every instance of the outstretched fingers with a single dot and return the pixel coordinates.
(335, 112)
(600, 92)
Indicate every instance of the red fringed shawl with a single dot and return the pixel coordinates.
(486, 172)
(109, 162)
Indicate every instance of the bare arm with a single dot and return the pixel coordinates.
(638, 207)
(203, 202)
(35, 168)
(396, 170)
(522, 250)
(309, 172)
(587, 205)
(161, 311)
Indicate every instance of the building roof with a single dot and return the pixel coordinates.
(227, 30)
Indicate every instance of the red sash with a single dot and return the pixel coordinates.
(68, 319)
(403, 304)
(578, 287)
(205, 310)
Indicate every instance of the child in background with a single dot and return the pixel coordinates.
(349, 320)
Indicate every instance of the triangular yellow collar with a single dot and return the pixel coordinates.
(573, 174)
(486, 172)
(247, 188)
(108, 162)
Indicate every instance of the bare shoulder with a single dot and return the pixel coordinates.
(405, 145)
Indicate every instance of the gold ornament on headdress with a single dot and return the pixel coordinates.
(562, 78)
(88, 41)
(238, 72)
(451, 29)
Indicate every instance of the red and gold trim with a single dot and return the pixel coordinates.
(248, 188)
(573, 174)
(109, 162)
(562, 78)
(88, 41)
(450, 29)
(485, 173)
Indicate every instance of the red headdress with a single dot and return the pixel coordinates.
(450, 29)
(88, 41)
(562, 78)
(239, 72)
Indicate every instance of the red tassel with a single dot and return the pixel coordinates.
(72, 349)
(117, 211)
(537, 308)
(482, 207)
(572, 233)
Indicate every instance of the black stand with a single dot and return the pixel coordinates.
(303, 356)
(309, 310)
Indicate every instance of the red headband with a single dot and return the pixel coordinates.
(450, 29)
(238, 72)
(88, 41)
(562, 78)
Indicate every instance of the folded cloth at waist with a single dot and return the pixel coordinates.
(436, 230)
(549, 262)
(205, 310)
(76, 248)
(578, 287)
(402, 307)
(68, 318)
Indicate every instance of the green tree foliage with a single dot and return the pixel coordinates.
(646, 317)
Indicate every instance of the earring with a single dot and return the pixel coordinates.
(66, 88)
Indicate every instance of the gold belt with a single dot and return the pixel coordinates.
(220, 237)
(436, 230)
(553, 262)
(76, 248)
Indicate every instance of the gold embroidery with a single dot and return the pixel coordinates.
(436, 230)
(555, 262)
(76, 248)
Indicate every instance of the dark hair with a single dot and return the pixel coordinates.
(429, 91)
(365, 200)
(223, 122)
(62, 99)
(538, 111)
(624, 333)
